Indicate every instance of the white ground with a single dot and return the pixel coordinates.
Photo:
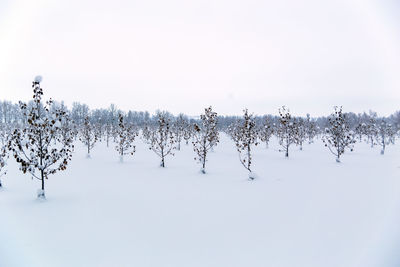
(303, 211)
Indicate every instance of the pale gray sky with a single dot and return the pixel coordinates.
(183, 55)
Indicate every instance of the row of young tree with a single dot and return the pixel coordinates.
(40, 135)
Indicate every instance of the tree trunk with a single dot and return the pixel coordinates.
(162, 158)
(40, 194)
(203, 169)
(248, 157)
(338, 150)
(41, 175)
(251, 176)
(162, 162)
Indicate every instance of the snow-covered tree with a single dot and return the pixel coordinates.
(244, 134)
(311, 129)
(99, 131)
(146, 132)
(287, 130)
(67, 127)
(301, 132)
(88, 135)
(384, 134)
(205, 136)
(360, 130)
(370, 130)
(179, 126)
(160, 137)
(338, 136)
(126, 135)
(266, 130)
(33, 145)
(79, 112)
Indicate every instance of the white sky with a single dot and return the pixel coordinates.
(183, 55)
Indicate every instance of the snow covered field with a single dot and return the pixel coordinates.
(306, 211)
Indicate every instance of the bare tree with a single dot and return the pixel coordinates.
(286, 130)
(384, 134)
(311, 129)
(146, 132)
(244, 134)
(301, 132)
(370, 130)
(266, 130)
(161, 138)
(126, 135)
(33, 145)
(338, 136)
(205, 136)
(98, 131)
(179, 126)
(67, 127)
(88, 135)
(360, 130)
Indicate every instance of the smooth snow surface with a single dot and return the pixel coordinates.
(306, 211)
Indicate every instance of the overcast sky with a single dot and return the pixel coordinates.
(183, 55)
